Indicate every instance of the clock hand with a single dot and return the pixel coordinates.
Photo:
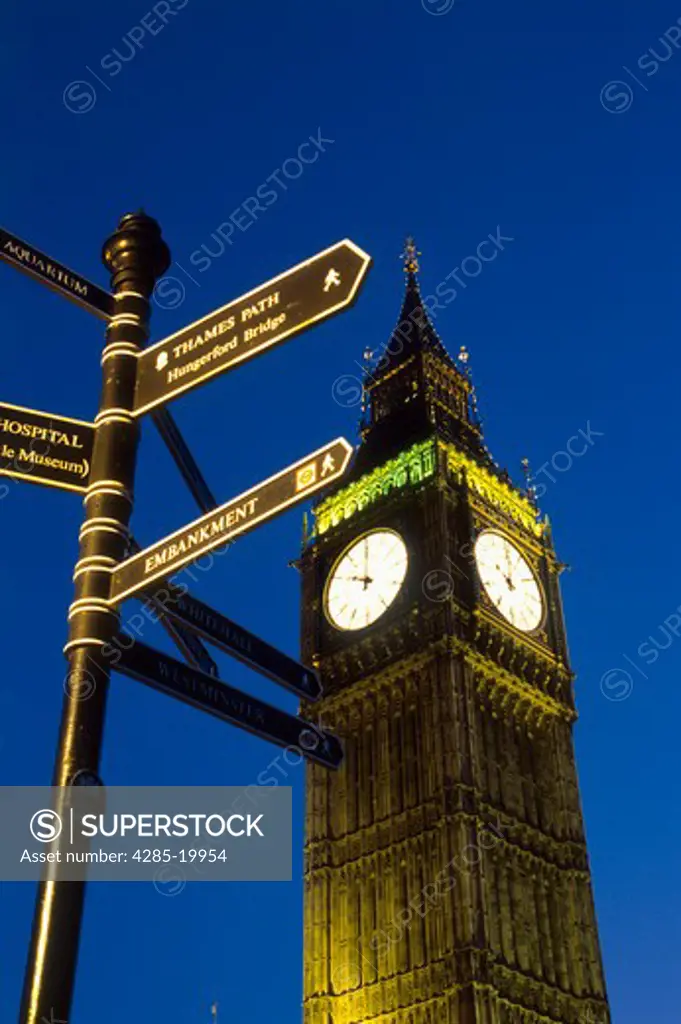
(366, 580)
(506, 578)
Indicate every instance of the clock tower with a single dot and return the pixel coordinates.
(446, 870)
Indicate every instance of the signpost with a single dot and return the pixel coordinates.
(136, 256)
(45, 449)
(161, 672)
(277, 310)
(55, 275)
(99, 460)
(244, 645)
(291, 485)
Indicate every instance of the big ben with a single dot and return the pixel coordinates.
(446, 871)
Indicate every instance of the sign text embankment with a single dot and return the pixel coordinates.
(292, 485)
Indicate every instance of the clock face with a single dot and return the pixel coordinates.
(365, 580)
(509, 581)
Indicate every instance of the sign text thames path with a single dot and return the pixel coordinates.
(277, 310)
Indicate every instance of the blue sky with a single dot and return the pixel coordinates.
(555, 124)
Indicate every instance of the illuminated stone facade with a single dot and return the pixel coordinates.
(446, 871)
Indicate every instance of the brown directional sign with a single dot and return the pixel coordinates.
(242, 644)
(55, 275)
(163, 673)
(271, 313)
(45, 449)
(291, 485)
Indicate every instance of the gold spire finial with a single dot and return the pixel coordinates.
(410, 256)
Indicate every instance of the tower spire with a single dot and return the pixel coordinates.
(410, 257)
(414, 331)
(413, 387)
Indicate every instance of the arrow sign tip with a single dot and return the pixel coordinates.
(347, 452)
(311, 684)
(364, 257)
(321, 746)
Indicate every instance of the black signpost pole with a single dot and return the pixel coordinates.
(136, 257)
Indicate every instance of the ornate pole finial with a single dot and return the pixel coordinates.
(409, 256)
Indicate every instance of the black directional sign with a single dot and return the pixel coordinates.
(161, 672)
(291, 485)
(276, 310)
(45, 449)
(55, 275)
(244, 645)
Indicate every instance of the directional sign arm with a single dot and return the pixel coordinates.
(248, 648)
(44, 448)
(283, 490)
(280, 309)
(55, 275)
(184, 460)
(163, 673)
